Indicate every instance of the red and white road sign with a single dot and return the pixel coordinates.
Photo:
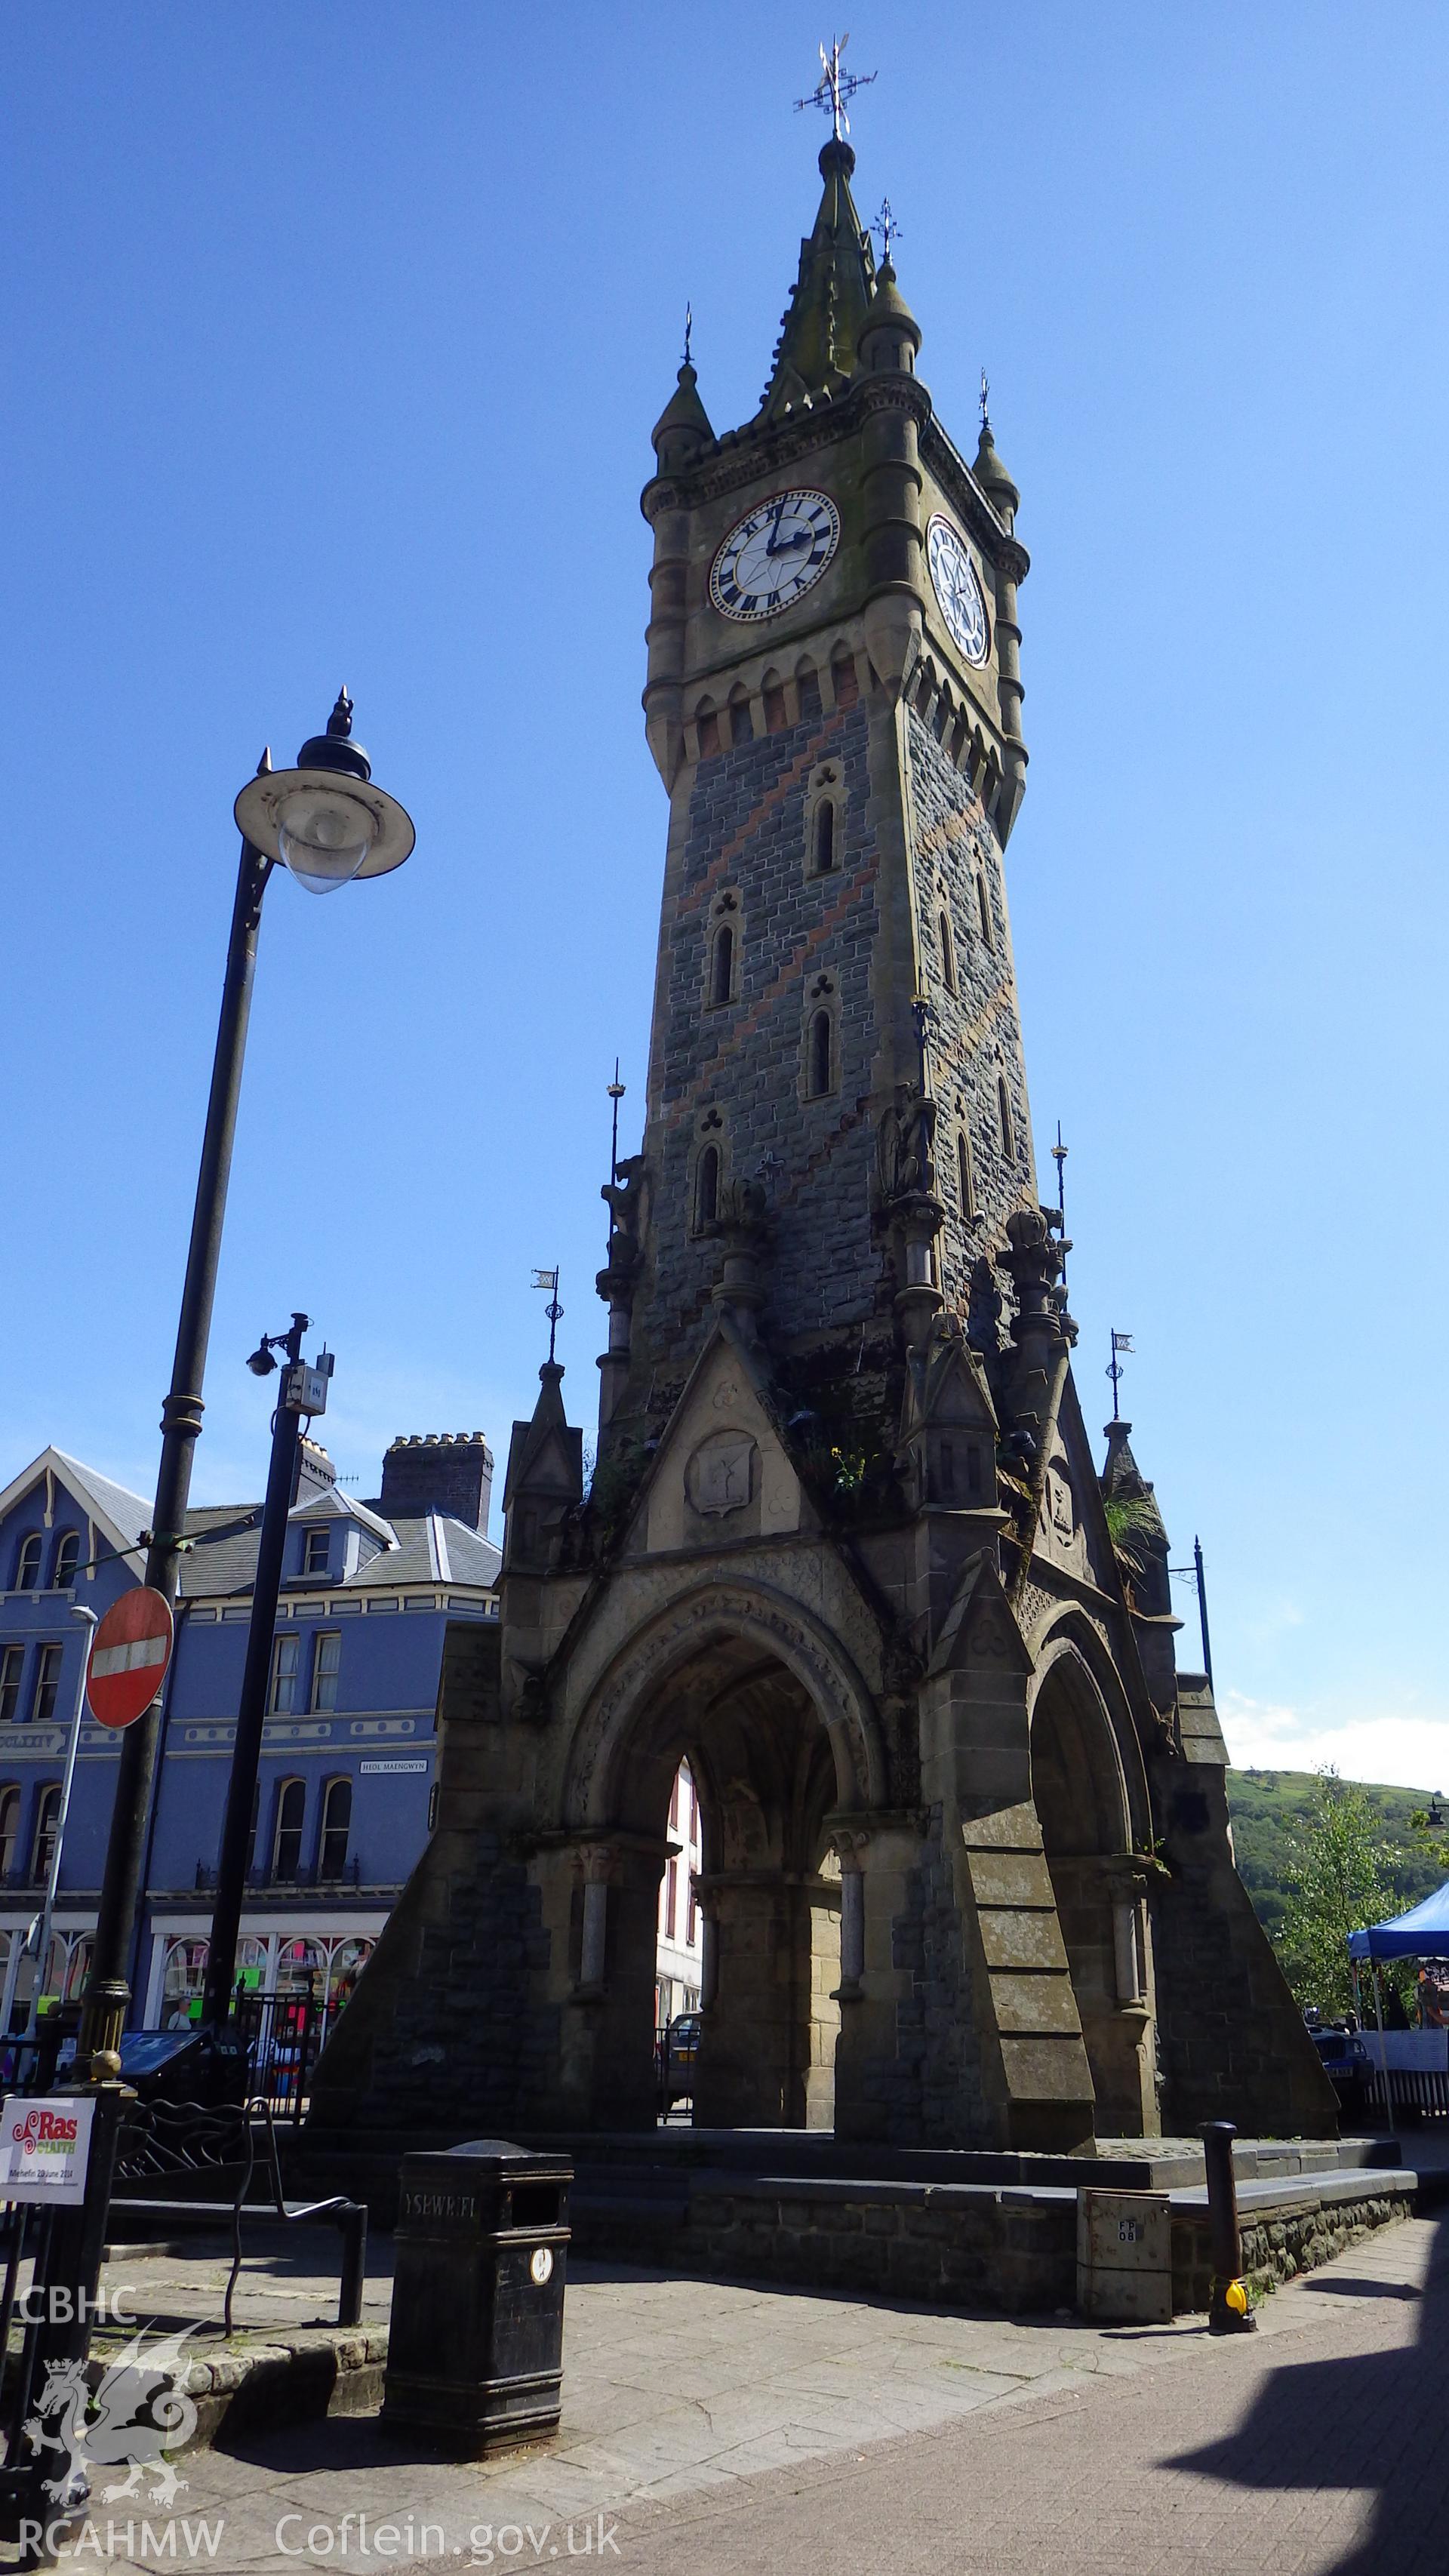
(129, 1656)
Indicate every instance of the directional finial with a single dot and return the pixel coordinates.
(835, 87)
(887, 228)
(985, 399)
(1120, 1342)
(549, 1279)
(688, 331)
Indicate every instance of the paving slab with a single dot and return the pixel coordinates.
(828, 2432)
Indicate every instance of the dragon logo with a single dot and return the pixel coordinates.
(139, 2411)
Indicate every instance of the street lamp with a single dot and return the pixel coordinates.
(326, 822)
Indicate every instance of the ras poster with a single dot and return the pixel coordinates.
(45, 2147)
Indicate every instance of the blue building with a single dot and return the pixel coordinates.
(369, 1591)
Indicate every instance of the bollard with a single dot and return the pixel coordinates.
(1228, 2312)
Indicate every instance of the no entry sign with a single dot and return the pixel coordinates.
(129, 1656)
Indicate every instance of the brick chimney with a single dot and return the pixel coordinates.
(444, 1471)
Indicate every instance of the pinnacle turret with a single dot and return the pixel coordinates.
(993, 478)
(683, 427)
(890, 335)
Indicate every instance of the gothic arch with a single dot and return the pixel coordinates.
(713, 1614)
(1072, 1656)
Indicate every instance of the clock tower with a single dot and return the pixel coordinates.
(967, 1879)
(834, 704)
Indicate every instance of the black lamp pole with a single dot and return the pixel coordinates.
(107, 1991)
(329, 823)
(231, 1874)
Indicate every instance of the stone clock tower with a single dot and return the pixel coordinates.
(967, 1878)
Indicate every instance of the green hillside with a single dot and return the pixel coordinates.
(1269, 1807)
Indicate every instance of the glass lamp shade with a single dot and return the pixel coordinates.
(323, 836)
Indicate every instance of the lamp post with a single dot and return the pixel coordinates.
(302, 1391)
(327, 823)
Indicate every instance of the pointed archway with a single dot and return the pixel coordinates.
(735, 1685)
(1083, 1800)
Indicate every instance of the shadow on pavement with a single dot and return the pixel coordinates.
(1372, 2421)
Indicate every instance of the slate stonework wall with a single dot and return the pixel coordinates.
(978, 1033)
(744, 1059)
(469, 2045)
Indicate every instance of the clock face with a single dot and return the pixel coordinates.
(953, 576)
(771, 559)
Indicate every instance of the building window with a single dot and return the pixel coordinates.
(983, 906)
(336, 1828)
(708, 733)
(47, 1685)
(9, 1827)
(12, 1664)
(965, 1182)
(948, 952)
(774, 701)
(847, 687)
(287, 1838)
(706, 1188)
(325, 1669)
(27, 1564)
(741, 729)
(722, 966)
(316, 1551)
(285, 1655)
(691, 1922)
(1003, 1111)
(47, 1825)
(671, 1896)
(67, 1558)
(824, 836)
(821, 1074)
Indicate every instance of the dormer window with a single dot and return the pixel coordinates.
(27, 1563)
(316, 1551)
(67, 1558)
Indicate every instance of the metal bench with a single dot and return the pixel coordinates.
(170, 2139)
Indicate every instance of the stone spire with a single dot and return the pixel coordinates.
(993, 478)
(1138, 1532)
(890, 335)
(545, 1478)
(682, 430)
(815, 353)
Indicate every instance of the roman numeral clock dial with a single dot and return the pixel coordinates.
(770, 559)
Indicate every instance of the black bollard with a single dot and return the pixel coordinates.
(1228, 2312)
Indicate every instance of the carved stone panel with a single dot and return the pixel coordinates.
(720, 1477)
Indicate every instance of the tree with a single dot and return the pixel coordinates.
(1338, 1881)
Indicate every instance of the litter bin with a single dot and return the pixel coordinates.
(475, 2345)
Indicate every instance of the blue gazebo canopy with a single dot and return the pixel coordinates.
(1422, 1933)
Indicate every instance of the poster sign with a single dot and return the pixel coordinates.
(45, 2147)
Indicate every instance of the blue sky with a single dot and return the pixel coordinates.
(335, 336)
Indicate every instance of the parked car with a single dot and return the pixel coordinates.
(674, 2055)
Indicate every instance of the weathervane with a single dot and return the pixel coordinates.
(835, 87)
(616, 1087)
(1120, 1342)
(889, 230)
(688, 330)
(985, 399)
(554, 1311)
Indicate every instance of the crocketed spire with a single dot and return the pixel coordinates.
(815, 353)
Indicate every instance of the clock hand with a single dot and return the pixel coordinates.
(770, 546)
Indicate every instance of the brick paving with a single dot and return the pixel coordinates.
(719, 2428)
